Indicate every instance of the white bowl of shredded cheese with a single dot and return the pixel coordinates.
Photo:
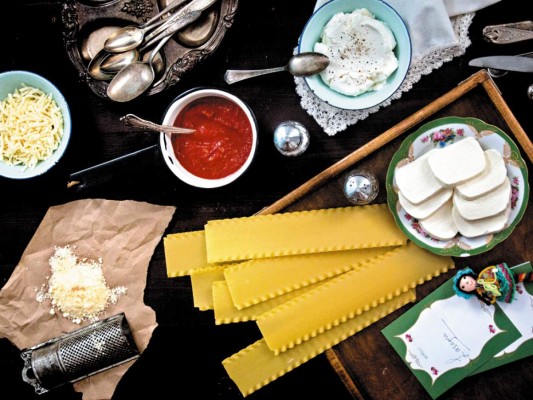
(35, 124)
(369, 48)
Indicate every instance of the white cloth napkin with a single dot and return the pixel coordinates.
(439, 32)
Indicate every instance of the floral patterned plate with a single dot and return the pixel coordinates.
(440, 133)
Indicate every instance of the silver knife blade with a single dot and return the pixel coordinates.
(497, 73)
(506, 63)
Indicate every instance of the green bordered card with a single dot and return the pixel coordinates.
(445, 338)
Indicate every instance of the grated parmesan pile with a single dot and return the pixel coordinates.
(77, 288)
(31, 127)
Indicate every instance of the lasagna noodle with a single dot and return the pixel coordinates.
(226, 312)
(202, 283)
(184, 253)
(256, 365)
(254, 281)
(301, 232)
(348, 295)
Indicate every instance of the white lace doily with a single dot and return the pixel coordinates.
(334, 120)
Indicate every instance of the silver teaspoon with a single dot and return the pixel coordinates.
(303, 64)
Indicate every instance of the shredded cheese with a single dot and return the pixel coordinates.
(31, 127)
(77, 288)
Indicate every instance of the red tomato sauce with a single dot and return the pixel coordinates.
(222, 141)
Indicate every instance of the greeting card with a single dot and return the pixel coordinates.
(446, 337)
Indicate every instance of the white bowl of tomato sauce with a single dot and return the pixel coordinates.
(223, 144)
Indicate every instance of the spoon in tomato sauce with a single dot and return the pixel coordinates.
(137, 122)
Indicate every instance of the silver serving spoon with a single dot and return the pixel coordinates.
(134, 79)
(137, 122)
(131, 36)
(302, 64)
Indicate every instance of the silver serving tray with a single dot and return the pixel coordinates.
(86, 23)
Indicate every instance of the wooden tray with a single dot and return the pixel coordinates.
(366, 363)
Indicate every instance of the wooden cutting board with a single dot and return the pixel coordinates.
(365, 362)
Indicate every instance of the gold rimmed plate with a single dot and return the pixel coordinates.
(440, 133)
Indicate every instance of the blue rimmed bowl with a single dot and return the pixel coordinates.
(10, 81)
(382, 11)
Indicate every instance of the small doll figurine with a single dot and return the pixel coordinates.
(494, 283)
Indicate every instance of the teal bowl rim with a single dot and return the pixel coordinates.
(16, 171)
(358, 102)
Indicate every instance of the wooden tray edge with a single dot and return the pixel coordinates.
(481, 77)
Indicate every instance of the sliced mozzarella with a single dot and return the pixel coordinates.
(416, 181)
(458, 162)
(427, 207)
(483, 226)
(485, 206)
(440, 224)
(492, 177)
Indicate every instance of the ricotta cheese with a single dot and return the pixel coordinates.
(360, 48)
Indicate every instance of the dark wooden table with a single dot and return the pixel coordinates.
(184, 357)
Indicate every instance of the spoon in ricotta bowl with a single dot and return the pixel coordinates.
(361, 52)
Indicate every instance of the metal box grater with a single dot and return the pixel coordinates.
(79, 354)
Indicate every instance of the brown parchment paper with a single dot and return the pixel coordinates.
(124, 235)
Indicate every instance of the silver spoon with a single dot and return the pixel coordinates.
(131, 36)
(303, 64)
(134, 79)
(114, 62)
(94, 66)
(137, 122)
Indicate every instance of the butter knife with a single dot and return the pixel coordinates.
(505, 63)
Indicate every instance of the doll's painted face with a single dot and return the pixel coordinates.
(467, 284)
